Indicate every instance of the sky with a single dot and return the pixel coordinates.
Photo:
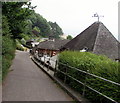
(74, 16)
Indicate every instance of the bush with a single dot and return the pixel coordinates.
(25, 36)
(5, 26)
(8, 46)
(98, 65)
(8, 53)
(0, 68)
(19, 46)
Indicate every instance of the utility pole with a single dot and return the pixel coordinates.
(98, 16)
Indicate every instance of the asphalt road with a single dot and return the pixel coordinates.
(26, 82)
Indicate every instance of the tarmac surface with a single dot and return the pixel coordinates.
(26, 82)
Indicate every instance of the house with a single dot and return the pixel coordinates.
(44, 39)
(34, 44)
(29, 43)
(96, 39)
(50, 47)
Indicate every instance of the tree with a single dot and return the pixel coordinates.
(36, 31)
(5, 26)
(69, 37)
(8, 46)
(40, 22)
(56, 31)
(16, 15)
(28, 27)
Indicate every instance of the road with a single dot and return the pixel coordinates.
(26, 82)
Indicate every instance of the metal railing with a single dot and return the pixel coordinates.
(56, 69)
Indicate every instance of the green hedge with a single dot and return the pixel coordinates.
(98, 65)
(8, 53)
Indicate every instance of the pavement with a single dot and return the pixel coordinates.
(26, 82)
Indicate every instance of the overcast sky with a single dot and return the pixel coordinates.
(74, 16)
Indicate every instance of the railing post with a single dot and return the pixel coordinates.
(44, 62)
(56, 66)
(40, 60)
(48, 64)
(65, 73)
(83, 94)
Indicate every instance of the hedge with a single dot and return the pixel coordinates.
(95, 64)
(8, 53)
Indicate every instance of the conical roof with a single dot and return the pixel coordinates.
(98, 39)
(84, 39)
(106, 43)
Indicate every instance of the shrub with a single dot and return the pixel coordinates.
(19, 46)
(8, 53)
(98, 65)
(5, 26)
(25, 36)
(0, 68)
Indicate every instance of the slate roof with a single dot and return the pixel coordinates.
(98, 39)
(52, 45)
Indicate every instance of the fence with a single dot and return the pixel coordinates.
(53, 65)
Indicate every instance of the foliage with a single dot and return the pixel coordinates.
(25, 36)
(41, 27)
(69, 37)
(23, 41)
(8, 53)
(27, 22)
(0, 68)
(16, 16)
(36, 31)
(28, 28)
(98, 65)
(40, 22)
(7, 43)
(0, 59)
(56, 31)
(5, 26)
(19, 46)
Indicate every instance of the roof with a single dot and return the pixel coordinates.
(98, 39)
(30, 40)
(52, 45)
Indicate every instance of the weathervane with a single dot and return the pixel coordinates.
(98, 16)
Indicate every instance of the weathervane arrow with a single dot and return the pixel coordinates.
(98, 16)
